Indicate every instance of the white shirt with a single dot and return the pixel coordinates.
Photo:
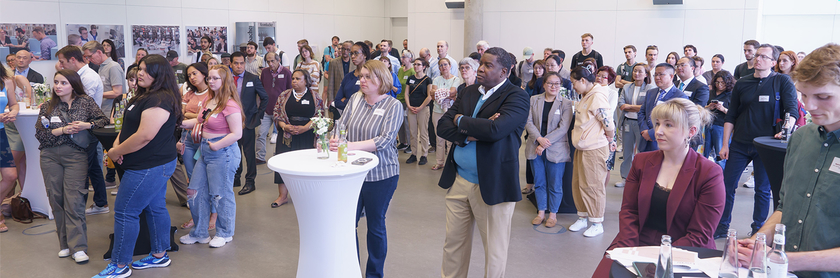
(486, 94)
(634, 115)
(93, 84)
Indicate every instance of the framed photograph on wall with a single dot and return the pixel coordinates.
(79, 34)
(39, 39)
(156, 39)
(218, 39)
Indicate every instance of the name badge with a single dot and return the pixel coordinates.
(688, 93)
(763, 98)
(411, 81)
(642, 94)
(556, 112)
(281, 76)
(379, 112)
(214, 115)
(130, 107)
(405, 77)
(304, 102)
(179, 71)
(358, 83)
(249, 84)
(55, 119)
(835, 165)
(530, 70)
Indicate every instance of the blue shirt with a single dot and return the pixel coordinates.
(349, 86)
(3, 101)
(397, 84)
(24, 73)
(465, 157)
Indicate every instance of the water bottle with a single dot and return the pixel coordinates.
(777, 261)
(758, 260)
(665, 265)
(729, 266)
(342, 144)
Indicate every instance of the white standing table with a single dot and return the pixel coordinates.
(322, 187)
(34, 189)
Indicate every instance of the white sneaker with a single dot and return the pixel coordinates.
(750, 182)
(579, 225)
(80, 257)
(64, 253)
(220, 241)
(274, 138)
(93, 209)
(110, 185)
(594, 230)
(620, 184)
(114, 192)
(187, 239)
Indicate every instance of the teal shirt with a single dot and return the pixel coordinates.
(810, 194)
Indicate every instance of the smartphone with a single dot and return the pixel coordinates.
(715, 101)
(361, 161)
(645, 270)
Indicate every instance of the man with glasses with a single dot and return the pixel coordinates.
(747, 68)
(695, 90)
(757, 106)
(275, 78)
(664, 91)
(335, 74)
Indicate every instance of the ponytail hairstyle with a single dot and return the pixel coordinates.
(684, 113)
(581, 72)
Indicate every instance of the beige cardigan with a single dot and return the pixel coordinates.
(559, 120)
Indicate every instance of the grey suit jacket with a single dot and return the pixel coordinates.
(626, 97)
(559, 120)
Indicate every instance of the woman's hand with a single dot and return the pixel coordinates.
(612, 146)
(116, 158)
(333, 144)
(544, 142)
(213, 146)
(180, 147)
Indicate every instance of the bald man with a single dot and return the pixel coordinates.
(23, 58)
(443, 53)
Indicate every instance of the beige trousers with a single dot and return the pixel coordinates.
(418, 126)
(465, 208)
(443, 146)
(590, 170)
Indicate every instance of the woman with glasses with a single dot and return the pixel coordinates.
(444, 89)
(605, 76)
(417, 102)
(467, 67)
(359, 54)
(629, 103)
(722, 85)
(547, 147)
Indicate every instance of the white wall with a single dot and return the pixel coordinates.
(713, 26)
(801, 27)
(315, 20)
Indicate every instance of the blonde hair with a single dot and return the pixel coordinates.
(683, 113)
(227, 91)
(820, 67)
(378, 70)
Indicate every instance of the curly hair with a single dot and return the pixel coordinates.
(727, 78)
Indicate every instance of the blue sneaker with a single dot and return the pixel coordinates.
(112, 271)
(150, 262)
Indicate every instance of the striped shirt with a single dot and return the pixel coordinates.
(379, 122)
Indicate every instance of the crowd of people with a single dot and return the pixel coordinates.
(684, 135)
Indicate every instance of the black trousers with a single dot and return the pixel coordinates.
(248, 145)
(95, 177)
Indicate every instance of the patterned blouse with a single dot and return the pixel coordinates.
(280, 111)
(84, 109)
(314, 70)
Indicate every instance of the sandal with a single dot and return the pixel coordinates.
(527, 191)
(437, 167)
(188, 225)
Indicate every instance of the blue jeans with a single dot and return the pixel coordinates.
(141, 191)
(714, 141)
(548, 183)
(740, 155)
(374, 199)
(96, 178)
(189, 152)
(213, 182)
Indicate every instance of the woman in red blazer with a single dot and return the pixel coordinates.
(672, 191)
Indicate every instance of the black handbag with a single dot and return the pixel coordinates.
(82, 138)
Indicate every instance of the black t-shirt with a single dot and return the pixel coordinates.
(418, 90)
(723, 98)
(545, 115)
(752, 106)
(578, 59)
(743, 70)
(161, 149)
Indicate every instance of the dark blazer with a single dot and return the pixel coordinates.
(497, 148)
(34, 76)
(645, 122)
(699, 92)
(252, 108)
(695, 204)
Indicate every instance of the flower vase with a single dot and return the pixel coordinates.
(323, 147)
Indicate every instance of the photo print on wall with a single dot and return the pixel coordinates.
(156, 39)
(39, 39)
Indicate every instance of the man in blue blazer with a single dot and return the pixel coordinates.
(663, 77)
(482, 170)
(250, 88)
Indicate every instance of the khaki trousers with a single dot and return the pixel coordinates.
(180, 183)
(65, 170)
(418, 126)
(464, 209)
(590, 170)
(442, 147)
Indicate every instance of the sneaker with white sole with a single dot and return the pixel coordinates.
(114, 192)
(150, 262)
(94, 209)
(579, 225)
(64, 253)
(187, 239)
(274, 138)
(619, 184)
(80, 257)
(110, 184)
(113, 271)
(594, 230)
(218, 241)
(750, 183)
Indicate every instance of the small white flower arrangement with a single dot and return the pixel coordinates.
(321, 127)
(42, 93)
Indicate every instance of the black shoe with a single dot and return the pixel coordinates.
(248, 188)
(402, 146)
(407, 150)
(411, 159)
(260, 162)
(422, 161)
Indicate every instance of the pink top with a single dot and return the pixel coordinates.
(217, 123)
(192, 101)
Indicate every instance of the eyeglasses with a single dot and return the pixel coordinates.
(554, 84)
(683, 65)
(764, 57)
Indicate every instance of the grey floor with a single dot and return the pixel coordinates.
(266, 240)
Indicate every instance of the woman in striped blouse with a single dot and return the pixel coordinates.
(373, 119)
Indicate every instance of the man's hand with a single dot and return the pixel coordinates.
(645, 135)
(494, 117)
(470, 138)
(724, 152)
(745, 249)
(455, 119)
